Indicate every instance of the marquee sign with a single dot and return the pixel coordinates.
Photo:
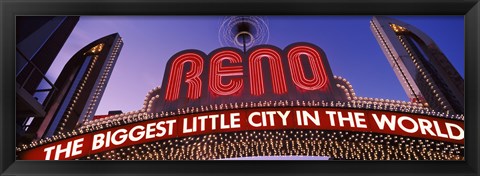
(295, 118)
(264, 73)
(228, 75)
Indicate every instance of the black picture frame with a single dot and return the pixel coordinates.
(9, 9)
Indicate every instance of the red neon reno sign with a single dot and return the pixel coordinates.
(263, 73)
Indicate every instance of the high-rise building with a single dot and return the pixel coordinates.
(425, 73)
(38, 41)
(80, 87)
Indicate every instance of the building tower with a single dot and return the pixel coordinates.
(80, 87)
(38, 42)
(425, 73)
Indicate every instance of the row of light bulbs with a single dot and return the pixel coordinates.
(103, 78)
(426, 76)
(341, 145)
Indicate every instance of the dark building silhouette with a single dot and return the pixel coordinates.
(38, 42)
(425, 73)
(80, 87)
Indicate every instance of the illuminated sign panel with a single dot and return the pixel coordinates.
(228, 75)
(253, 119)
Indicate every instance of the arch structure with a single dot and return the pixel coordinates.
(424, 72)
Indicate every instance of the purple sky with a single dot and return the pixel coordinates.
(350, 47)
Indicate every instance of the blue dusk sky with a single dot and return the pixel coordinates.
(352, 51)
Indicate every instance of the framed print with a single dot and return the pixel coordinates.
(281, 88)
